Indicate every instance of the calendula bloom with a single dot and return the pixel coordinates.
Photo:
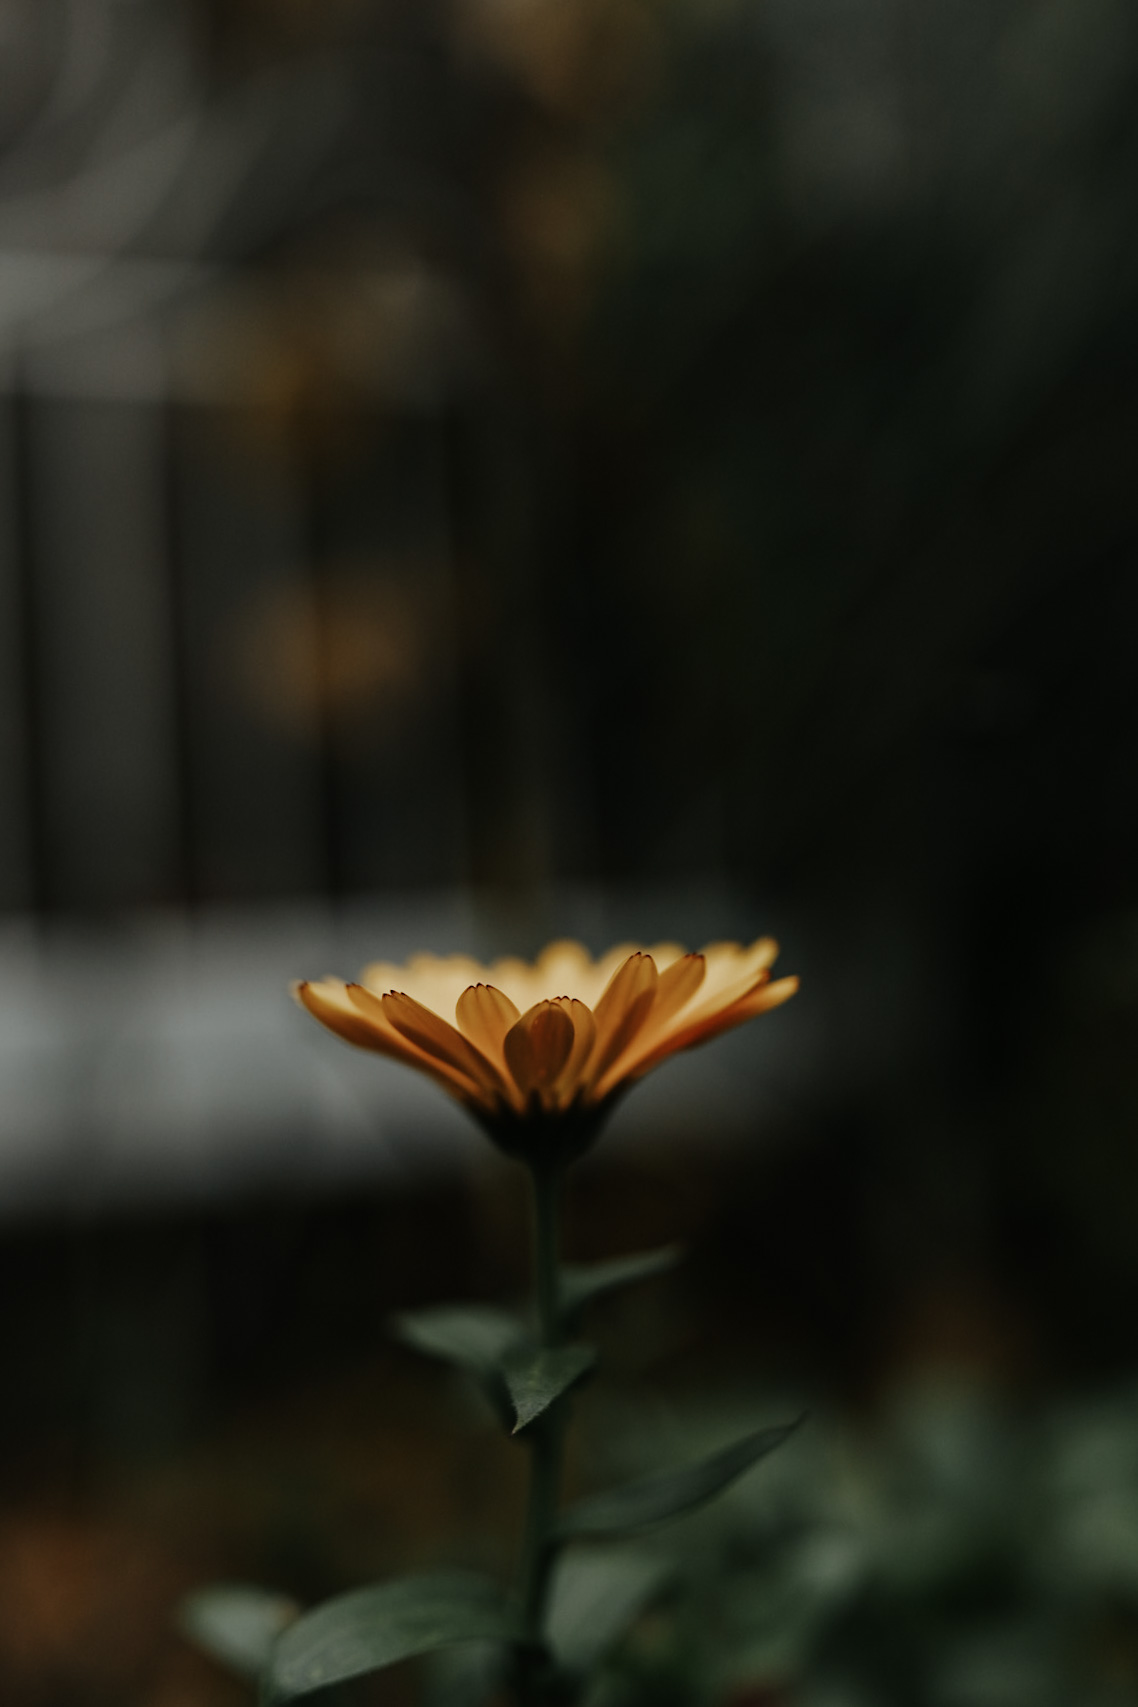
(539, 1053)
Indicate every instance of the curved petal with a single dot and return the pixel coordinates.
(621, 1011)
(762, 997)
(337, 1006)
(675, 989)
(603, 970)
(538, 1047)
(435, 980)
(563, 968)
(585, 1025)
(584, 1036)
(730, 966)
(438, 1039)
(732, 973)
(515, 979)
(665, 954)
(484, 1016)
(328, 1001)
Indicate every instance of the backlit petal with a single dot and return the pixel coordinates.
(438, 1039)
(455, 1078)
(622, 1010)
(434, 980)
(732, 973)
(585, 1027)
(484, 1016)
(338, 1006)
(666, 953)
(764, 996)
(730, 966)
(538, 1046)
(675, 989)
(564, 968)
(327, 999)
(515, 979)
(584, 1037)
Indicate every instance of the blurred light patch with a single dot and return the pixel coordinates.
(298, 21)
(578, 58)
(29, 34)
(558, 211)
(354, 651)
(307, 346)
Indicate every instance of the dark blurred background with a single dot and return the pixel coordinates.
(472, 470)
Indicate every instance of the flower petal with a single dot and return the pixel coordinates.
(339, 1007)
(758, 1000)
(677, 986)
(647, 1005)
(438, 1039)
(561, 966)
(435, 980)
(484, 1016)
(665, 953)
(622, 1010)
(731, 967)
(538, 1047)
(703, 1027)
(732, 973)
(327, 999)
(562, 969)
(674, 990)
(515, 978)
(602, 971)
(584, 1037)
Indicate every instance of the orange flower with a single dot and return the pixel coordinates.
(540, 1053)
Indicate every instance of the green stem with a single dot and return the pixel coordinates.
(547, 1437)
(546, 1252)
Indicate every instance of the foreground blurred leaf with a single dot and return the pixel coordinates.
(375, 1627)
(237, 1624)
(656, 1499)
(582, 1282)
(598, 1593)
(535, 1379)
(475, 1336)
(471, 1674)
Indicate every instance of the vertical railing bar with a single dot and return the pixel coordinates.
(182, 705)
(328, 777)
(30, 618)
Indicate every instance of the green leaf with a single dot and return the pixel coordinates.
(598, 1592)
(656, 1499)
(471, 1674)
(582, 1282)
(375, 1627)
(237, 1624)
(475, 1336)
(534, 1379)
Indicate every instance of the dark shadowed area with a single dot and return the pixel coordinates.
(479, 471)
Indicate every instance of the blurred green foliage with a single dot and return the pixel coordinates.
(958, 1552)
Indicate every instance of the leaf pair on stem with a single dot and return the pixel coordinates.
(519, 1377)
(569, 1608)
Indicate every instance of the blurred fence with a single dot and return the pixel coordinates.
(230, 432)
(498, 442)
(177, 661)
(183, 619)
(487, 445)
